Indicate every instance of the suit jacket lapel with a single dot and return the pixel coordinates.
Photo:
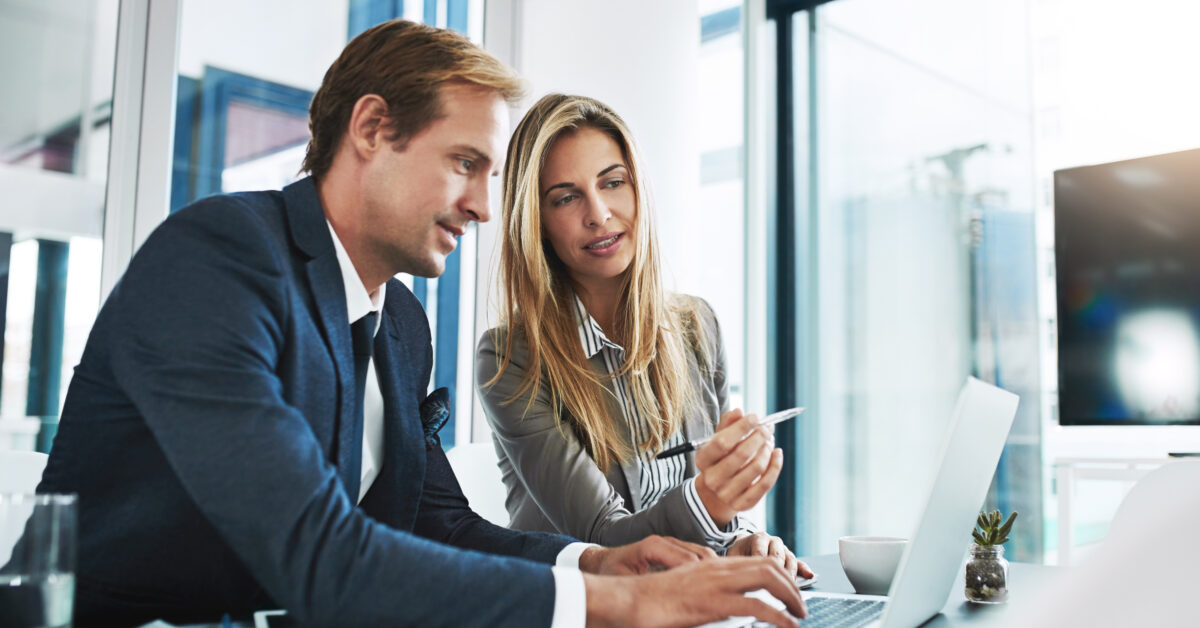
(306, 221)
(396, 493)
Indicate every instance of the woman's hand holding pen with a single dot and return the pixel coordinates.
(737, 466)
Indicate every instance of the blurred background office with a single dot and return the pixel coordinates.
(862, 189)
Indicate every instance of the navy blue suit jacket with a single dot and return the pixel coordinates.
(200, 431)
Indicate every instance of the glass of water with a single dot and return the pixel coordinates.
(37, 560)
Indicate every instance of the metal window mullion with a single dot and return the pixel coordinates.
(502, 28)
(792, 282)
(445, 346)
(755, 199)
(808, 311)
(467, 335)
(782, 291)
(757, 168)
(143, 115)
(46, 337)
(133, 18)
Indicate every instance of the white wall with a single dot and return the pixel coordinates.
(640, 58)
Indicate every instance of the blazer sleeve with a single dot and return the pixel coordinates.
(720, 380)
(446, 517)
(205, 305)
(558, 473)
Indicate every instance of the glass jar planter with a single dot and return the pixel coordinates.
(987, 575)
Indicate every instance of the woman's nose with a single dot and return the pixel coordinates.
(598, 213)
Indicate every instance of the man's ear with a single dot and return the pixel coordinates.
(368, 131)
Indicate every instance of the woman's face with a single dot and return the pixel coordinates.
(588, 206)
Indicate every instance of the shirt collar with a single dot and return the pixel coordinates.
(591, 336)
(359, 302)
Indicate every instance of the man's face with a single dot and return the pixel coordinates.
(419, 201)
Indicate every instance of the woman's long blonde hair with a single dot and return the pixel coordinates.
(538, 299)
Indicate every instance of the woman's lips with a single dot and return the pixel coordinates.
(605, 245)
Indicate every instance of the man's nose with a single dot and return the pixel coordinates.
(476, 202)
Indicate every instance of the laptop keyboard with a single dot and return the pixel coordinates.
(841, 612)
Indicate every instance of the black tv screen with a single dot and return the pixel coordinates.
(1127, 248)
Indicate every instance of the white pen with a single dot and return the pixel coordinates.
(693, 445)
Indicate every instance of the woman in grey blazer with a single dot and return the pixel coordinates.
(595, 368)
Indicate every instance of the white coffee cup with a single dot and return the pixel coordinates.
(870, 562)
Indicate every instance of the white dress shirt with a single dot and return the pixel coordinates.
(570, 599)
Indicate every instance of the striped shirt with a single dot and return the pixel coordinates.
(655, 478)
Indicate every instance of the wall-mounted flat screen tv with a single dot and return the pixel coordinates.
(1127, 248)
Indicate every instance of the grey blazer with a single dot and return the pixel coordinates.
(553, 483)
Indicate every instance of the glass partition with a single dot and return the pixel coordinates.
(910, 209)
(56, 63)
(927, 254)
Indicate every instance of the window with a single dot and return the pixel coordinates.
(721, 189)
(907, 200)
(56, 62)
(242, 123)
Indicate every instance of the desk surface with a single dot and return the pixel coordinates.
(1024, 581)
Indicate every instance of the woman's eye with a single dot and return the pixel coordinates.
(614, 184)
(465, 163)
(563, 200)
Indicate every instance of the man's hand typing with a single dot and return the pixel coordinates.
(695, 593)
(653, 553)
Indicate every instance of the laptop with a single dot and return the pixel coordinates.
(929, 566)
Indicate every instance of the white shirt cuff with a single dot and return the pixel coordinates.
(570, 594)
(569, 555)
(717, 537)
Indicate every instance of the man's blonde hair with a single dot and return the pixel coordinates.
(406, 64)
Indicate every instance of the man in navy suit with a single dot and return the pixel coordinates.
(248, 427)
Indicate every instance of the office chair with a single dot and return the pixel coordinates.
(475, 466)
(1143, 572)
(20, 471)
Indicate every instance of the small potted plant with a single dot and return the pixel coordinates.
(987, 571)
